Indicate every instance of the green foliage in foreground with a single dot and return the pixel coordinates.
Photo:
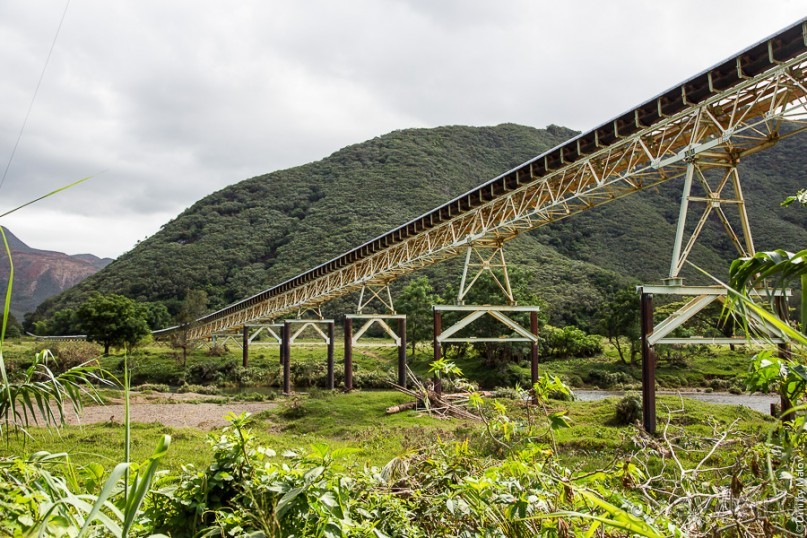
(452, 478)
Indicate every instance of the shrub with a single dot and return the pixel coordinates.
(72, 353)
(210, 372)
(154, 387)
(574, 380)
(628, 410)
(257, 396)
(604, 379)
(720, 384)
(374, 380)
(568, 342)
(309, 374)
(199, 389)
(510, 393)
(216, 350)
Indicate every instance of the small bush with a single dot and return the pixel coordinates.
(216, 351)
(510, 393)
(574, 380)
(373, 380)
(628, 410)
(604, 379)
(72, 353)
(258, 396)
(199, 389)
(154, 387)
(309, 374)
(211, 372)
(293, 409)
(567, 342)
(720, 384)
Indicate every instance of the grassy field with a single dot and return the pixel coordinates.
(358, 421)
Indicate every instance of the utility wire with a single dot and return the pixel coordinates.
(30, 106)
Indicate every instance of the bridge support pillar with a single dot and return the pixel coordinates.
(383, 321)
(285, 356)
(348, 354)
(438, 346)
(760, 331)
(402, 352)
(331, 381)
(245, 348)
(534, 348)
(648, 365)
(291, 331)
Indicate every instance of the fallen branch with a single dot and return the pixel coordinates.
(434, 403)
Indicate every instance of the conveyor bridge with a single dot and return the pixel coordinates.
(740, 106)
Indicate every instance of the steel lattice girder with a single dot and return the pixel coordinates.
(728, 112)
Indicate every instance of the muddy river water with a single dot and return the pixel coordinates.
(757, 402)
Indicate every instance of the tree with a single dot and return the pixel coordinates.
(192, 308)
(112, 321)
(13, 327)
(156, 315)
(618, 319)
(416, 300)
(63, 322)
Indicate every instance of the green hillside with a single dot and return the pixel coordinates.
(261, 231)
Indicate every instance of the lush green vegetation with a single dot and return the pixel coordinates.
(697, 367)
(427, 476)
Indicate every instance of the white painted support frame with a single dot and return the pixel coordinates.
(474, 312)
(702, 297)
(380, 320)
(313, 324)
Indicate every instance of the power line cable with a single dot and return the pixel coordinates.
(36, 91)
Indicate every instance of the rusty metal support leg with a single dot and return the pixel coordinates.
(534, 348)
(285, 353)
(648, 366)
(402, 352)
(245, 348)
(331, 381)
(438, 351)
(783, 352)
(348, 354)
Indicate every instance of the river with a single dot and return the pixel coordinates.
(757, 402)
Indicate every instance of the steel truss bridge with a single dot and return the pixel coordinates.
(709, 122)
(698, 130)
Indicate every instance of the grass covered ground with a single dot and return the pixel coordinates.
(358, 420)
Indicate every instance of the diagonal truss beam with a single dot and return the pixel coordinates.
(726, 113)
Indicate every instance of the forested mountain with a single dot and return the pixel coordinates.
(258, 232)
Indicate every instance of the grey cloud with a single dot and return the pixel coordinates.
(174, 100)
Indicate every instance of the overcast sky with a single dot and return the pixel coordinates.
(166, 101)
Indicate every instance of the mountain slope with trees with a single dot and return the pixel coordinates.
(258, 232)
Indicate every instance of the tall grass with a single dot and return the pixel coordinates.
(38, 394)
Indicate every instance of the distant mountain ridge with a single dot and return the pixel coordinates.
(40, 274)
(261, 231)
